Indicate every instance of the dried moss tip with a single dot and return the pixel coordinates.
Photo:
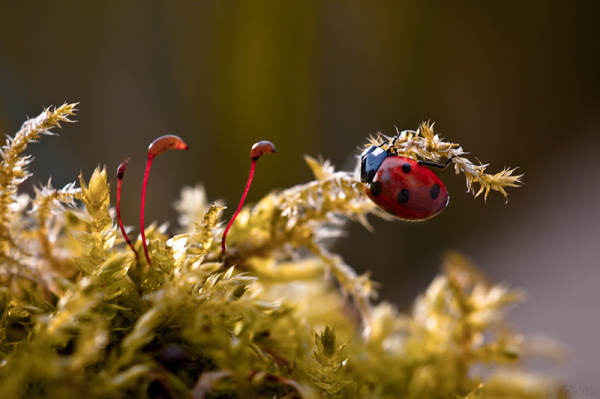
(425, 144)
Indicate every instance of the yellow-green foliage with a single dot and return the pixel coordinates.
(279, 316)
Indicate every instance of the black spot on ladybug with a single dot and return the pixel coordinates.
(435, 191)
(376, 188)
(406, 168)
(403, 196)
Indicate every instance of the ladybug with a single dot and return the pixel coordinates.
(401, 186)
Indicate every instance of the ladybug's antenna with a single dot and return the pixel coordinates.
(257, 151)
(120, 173)
(393, 144)
(157, 147)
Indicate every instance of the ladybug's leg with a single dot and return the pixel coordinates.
(392, 147)
(393, 144)
(436, 165)
(383, 142)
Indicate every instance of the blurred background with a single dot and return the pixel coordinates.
(516, 84)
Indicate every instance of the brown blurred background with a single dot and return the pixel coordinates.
(516, 83)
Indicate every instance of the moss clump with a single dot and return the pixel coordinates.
(82, 316)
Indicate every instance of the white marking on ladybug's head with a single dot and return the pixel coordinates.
(374, 150)
(378, 151)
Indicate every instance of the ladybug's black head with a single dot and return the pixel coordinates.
(370, 161)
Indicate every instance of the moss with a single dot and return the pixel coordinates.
(278, 316)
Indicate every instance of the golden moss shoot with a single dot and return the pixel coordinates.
(279, 316)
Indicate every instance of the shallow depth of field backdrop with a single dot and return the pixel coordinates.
(517, 84)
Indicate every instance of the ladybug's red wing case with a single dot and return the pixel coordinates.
(407, 190)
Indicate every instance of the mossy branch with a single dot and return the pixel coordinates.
(424, 144)
(13, 167)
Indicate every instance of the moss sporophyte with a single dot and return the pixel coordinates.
(275, 315)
